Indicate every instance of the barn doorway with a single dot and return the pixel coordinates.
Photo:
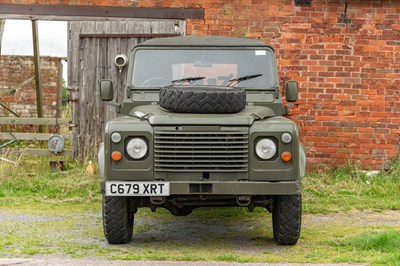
(92, 49)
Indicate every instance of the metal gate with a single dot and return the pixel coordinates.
(92, 48)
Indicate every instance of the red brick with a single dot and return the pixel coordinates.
(23, 101)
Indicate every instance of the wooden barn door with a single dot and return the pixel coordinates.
(92, 48)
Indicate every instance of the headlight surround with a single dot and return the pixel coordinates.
(137, 148)
(266, 148)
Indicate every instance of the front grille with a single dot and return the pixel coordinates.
(199, 151)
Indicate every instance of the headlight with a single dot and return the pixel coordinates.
(265, 149)
(286, 137)
(116, 137)
(136, 148)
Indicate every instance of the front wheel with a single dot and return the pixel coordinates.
(286, 219)
(117, 220)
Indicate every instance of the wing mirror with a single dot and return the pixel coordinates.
(106, 90)
(291, 91)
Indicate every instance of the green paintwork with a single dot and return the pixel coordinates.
(106, 90)
(141, 116)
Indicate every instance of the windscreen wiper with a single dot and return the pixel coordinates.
(191, 80)
(239, 79)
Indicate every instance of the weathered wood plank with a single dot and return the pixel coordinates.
(87, 12)
(33, 121)
(73, 74)
(28, 136)
(39, 152)
(2, 25)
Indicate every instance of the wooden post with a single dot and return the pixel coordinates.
(59, 89)
(38, 82)
(2, 24)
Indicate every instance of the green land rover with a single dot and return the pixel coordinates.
(201, 124)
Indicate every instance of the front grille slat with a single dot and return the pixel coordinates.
(198, 142)
(199, 161)
(197, 146)
(167, 156)
(198, 151)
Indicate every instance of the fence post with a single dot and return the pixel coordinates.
(38, 81)
(2, 25)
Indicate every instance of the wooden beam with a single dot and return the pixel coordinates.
(59, 89)
(2, 25)
(38, 81)
(29, 136)
(131, 35)
(33, 121)
(8, 109)
(39, 152)
(11, 90)
(76, 12)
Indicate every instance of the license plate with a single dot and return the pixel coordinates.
(137, 189)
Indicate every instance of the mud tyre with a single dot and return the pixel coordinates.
(286, 219)
(203, 100)
(117, 220)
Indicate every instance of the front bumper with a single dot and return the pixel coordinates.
(231, 188)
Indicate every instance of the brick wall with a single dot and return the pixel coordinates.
(348, 74)
(16, 69)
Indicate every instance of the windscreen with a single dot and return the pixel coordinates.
(157, 68)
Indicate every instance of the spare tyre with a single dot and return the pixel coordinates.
(213, 100)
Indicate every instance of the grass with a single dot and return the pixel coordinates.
(43, 212)
(33, 177)
(387, 241)
(345, 189)
(382, 247)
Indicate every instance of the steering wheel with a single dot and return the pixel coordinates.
(156, 81)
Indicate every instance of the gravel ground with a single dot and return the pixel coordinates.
(78, 262)
(192, 231)
(355, 218)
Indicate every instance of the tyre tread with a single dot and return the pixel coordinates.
(117, 221)
(287, 219)
(197, 100)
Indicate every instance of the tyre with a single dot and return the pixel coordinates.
(202, 100)
(286, 219)
(117, 220)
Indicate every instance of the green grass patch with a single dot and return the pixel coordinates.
(377, 248)
(387, 241)
(33, 180)
(347, 188)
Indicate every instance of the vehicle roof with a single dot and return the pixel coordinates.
(201, 41)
